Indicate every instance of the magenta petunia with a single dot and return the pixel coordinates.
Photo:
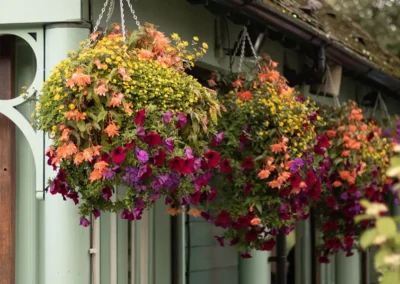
(331, 201)
(153, 139)
(130, 145)
(167, 117)
(245, 255)
(217, 139)
(251, 236)
(268, 245)
(74, 196)
(140, 116)
(323, 141)
(176, 164)
(141, 155)
(159, 158)
(223, 218)
(145, 171)
(140, 133)
(248, 163)
(187, 167)
(118, 155)
(107, 193)
(220, 241)
(295, 180)
(181, 120)
(212, 194)
(96, 213)
(202, 180)
(212, 158)
(189, 153)
(195, 197)
(84, 222)
(248, 188)
(169, 145)
(225, 166)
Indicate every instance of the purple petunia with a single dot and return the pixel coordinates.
(141, 155)
(295, 165)
(169, 145)
(167, 117)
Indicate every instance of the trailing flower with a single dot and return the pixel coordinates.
(124, 113)
(355, 157)
(263, 149)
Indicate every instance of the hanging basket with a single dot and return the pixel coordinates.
(354, 156)
(264, 143)
(124, 113)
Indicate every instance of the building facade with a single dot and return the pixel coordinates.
(41, 241)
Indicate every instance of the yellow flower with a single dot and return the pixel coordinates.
(71, 106)
(205, 45)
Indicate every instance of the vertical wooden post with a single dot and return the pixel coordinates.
(7, 165)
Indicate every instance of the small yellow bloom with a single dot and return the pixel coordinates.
(71, 106)
(195, 38)
(205, 45)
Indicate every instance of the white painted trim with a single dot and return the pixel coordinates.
(7, 107)
(97, 255)
(144, 248)
(113, 245)
(133, 252)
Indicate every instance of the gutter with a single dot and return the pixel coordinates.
(337, 52)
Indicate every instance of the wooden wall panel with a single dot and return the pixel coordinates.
(7, 165)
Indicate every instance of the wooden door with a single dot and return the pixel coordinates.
(7, 165)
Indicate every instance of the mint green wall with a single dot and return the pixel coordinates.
(27, 205)
(39, 11)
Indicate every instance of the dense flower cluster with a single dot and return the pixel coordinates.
(124, 113)
(266, 136)
(354, 157)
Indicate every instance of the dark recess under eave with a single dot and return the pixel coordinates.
(335, 51)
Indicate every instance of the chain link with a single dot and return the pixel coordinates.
(109, 14)
(121, 4)
(242, 53)
(237, 47)
(96, 27)
(133, 12)
(252, 48)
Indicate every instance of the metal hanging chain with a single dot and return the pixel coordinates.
(252, 48)
(121, 4)
(382, 104)
(242, 53)
(242, 42)
(238, 45)
(133, 12)
(96, 27)
(109, 14)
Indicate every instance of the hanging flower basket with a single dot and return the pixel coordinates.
(263, 147)
(354, 157)
(124, 113)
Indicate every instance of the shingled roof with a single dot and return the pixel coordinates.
(335, 27)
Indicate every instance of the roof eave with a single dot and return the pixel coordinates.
(336, 51)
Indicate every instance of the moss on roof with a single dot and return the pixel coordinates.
(342, 30)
